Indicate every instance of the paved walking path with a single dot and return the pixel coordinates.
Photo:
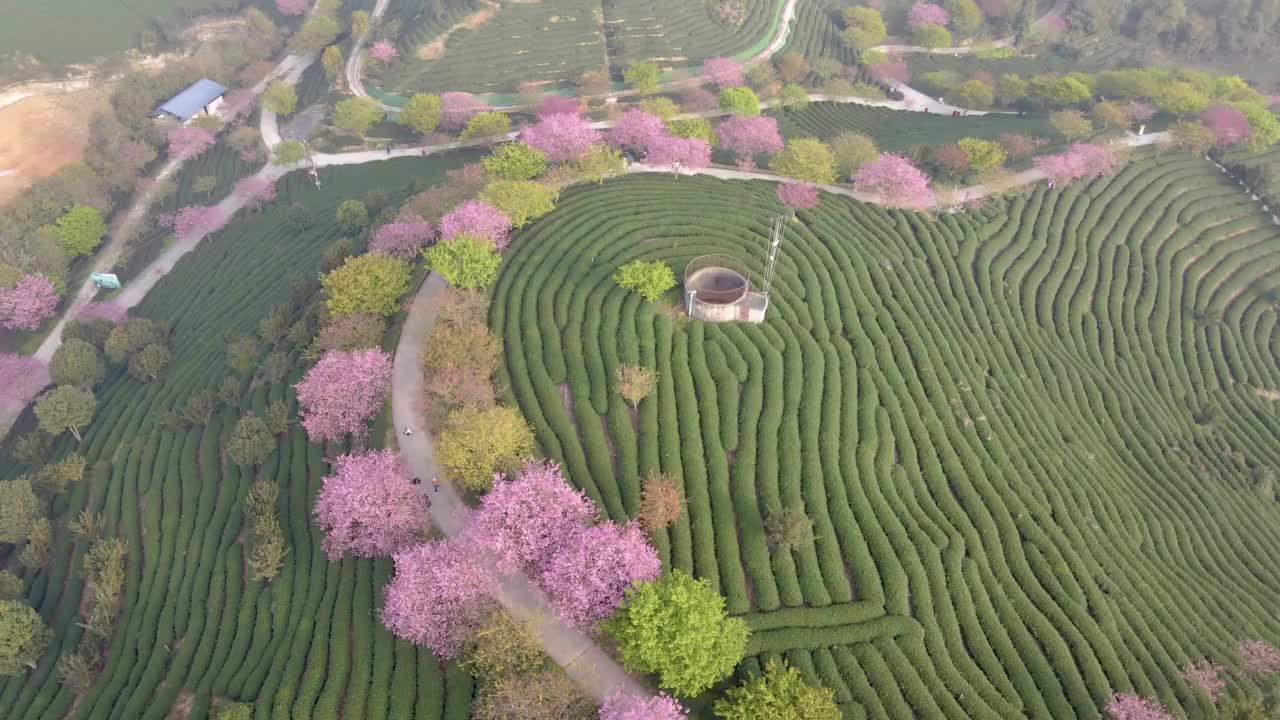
(355, 63)
(584, 661)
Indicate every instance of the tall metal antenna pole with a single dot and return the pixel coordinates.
(775, 248)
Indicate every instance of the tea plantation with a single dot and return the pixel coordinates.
(898, 130)
(1027, 437)
(194, 630)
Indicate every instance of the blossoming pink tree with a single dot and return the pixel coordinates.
(342, 391)
(28, 303)
(368, 507)
(748, 137)
(439, 596)
(456, 108)
(923, 13)
(1127, 706)
(623, 706)
(1081, 160)
(698, 99)
(479, 218)
(893, 71)
(237, 104)
(1139, 112)
(1228, 125)
(188, 142)
(895, 179)
(383, 51)
(561, 136)
(688, 153)
(1054, 25)
(196, 220)
(255, 190)
(558, 105)
(1206, 675)
(110, 311)
(22, 377)
(722, 72)
(636, 130)
(523, 520)
(588, 576)
(1258, 657)
(292, 7)
(800, 196)
(402, 239)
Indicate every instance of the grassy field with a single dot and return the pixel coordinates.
(1027, 437)
(897, 130)
(193, 629)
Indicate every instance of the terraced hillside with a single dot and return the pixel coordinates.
(193, 628)
(897, 130)
(1027, 437)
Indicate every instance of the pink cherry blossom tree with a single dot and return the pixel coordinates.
(402, 239)
(197, 220)
(1128, 706)
(1081, 160)
(110, 311)
(923, 13)
(237, 104)
(894, 178)
(255, 190)
(800, 196)
(368, 507)
(522, 520)
(1258, 657)
(188, 142)
(292, 7)
(748, 137)
(456, 108)
(1054, 25)
(28, 303)
(558, 105)
(22, 377)
(689, 153)
(892, 71)
(588, 576)
(383, 51)
(722, 72)
(623, 706)
(1206, 675)
(561, 136)
(1228, 125)
(439, 596)
(636, 130)
(479, 218)
(698, 99)
(1139, 112)
(342, 391)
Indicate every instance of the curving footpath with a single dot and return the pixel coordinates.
(355, 63)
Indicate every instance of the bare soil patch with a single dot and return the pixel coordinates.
(434, 50)
(41, 133)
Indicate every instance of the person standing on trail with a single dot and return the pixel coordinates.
(435, 484)
(416, 481)
(408, 431)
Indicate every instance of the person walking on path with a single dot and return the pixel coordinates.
(435, 484)
(408, 431)
(416, 481)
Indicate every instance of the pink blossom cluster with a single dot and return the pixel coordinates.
(589, 576)
(1228, 125)
(255, 190)
(1206, 675)
(722, 72)
(698, 99)
(623, 706)
(367, 507)
(560, 136)
(558, 105)
(238, 103)
(457, 108)
(801, 196)
(292, 7)
(383, 51)
(691, 153)
(1055, 25)
(22, 377)
(402, 239)
(894, 178)
(1081, 160)
(748, 137)
(1258, 657)
(28, 303)
(110, 311)
(195, 220)
(636, 130)
(439, 596)
(923, 13)
(1139, 112)
(478, 218)
(891, 71)
(342, 391)
(1128, 706)
(188, 142)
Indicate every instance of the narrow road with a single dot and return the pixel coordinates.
(586, 663)
(355, 63)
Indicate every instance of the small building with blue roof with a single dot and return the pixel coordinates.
(203, 95)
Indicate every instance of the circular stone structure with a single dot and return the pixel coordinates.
(715, 287)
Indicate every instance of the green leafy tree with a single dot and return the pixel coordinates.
(236, 710)
(23, 637)
(966, 16)
(503, 645)
(204, 184)
(973, 94)
(251, 441)
(805, 159)
(864, 28)
(1192, 137)
(65, 407)
(1264, 127)
(520, 200)
(786, 529)
(80, 230)
(852, 150)
(650, 279)
(422, 113)
(1010, 88)
(1054, 91)
(357, 114)
(318, 31)
(983, 154)
(931, 36)
(642, 76)
(740, 101)
(359, 23)
(465, 261)
(1181, 99)
(290, 152)
(478, 442)
(19, 509)
(369, 284)
(694, 127)
(793, 98)
(1071, 124)
(11, 586)
(779, 694)
(147, 364)
(1110, 114)
(599, 162)
(352, 217)
(331, 61)
(76, 362)
(58, 476)
(515, 161)
(663, 107)
(677, 627)
(35, 554)
(280, 98)
(131, 336)
(486, 124)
